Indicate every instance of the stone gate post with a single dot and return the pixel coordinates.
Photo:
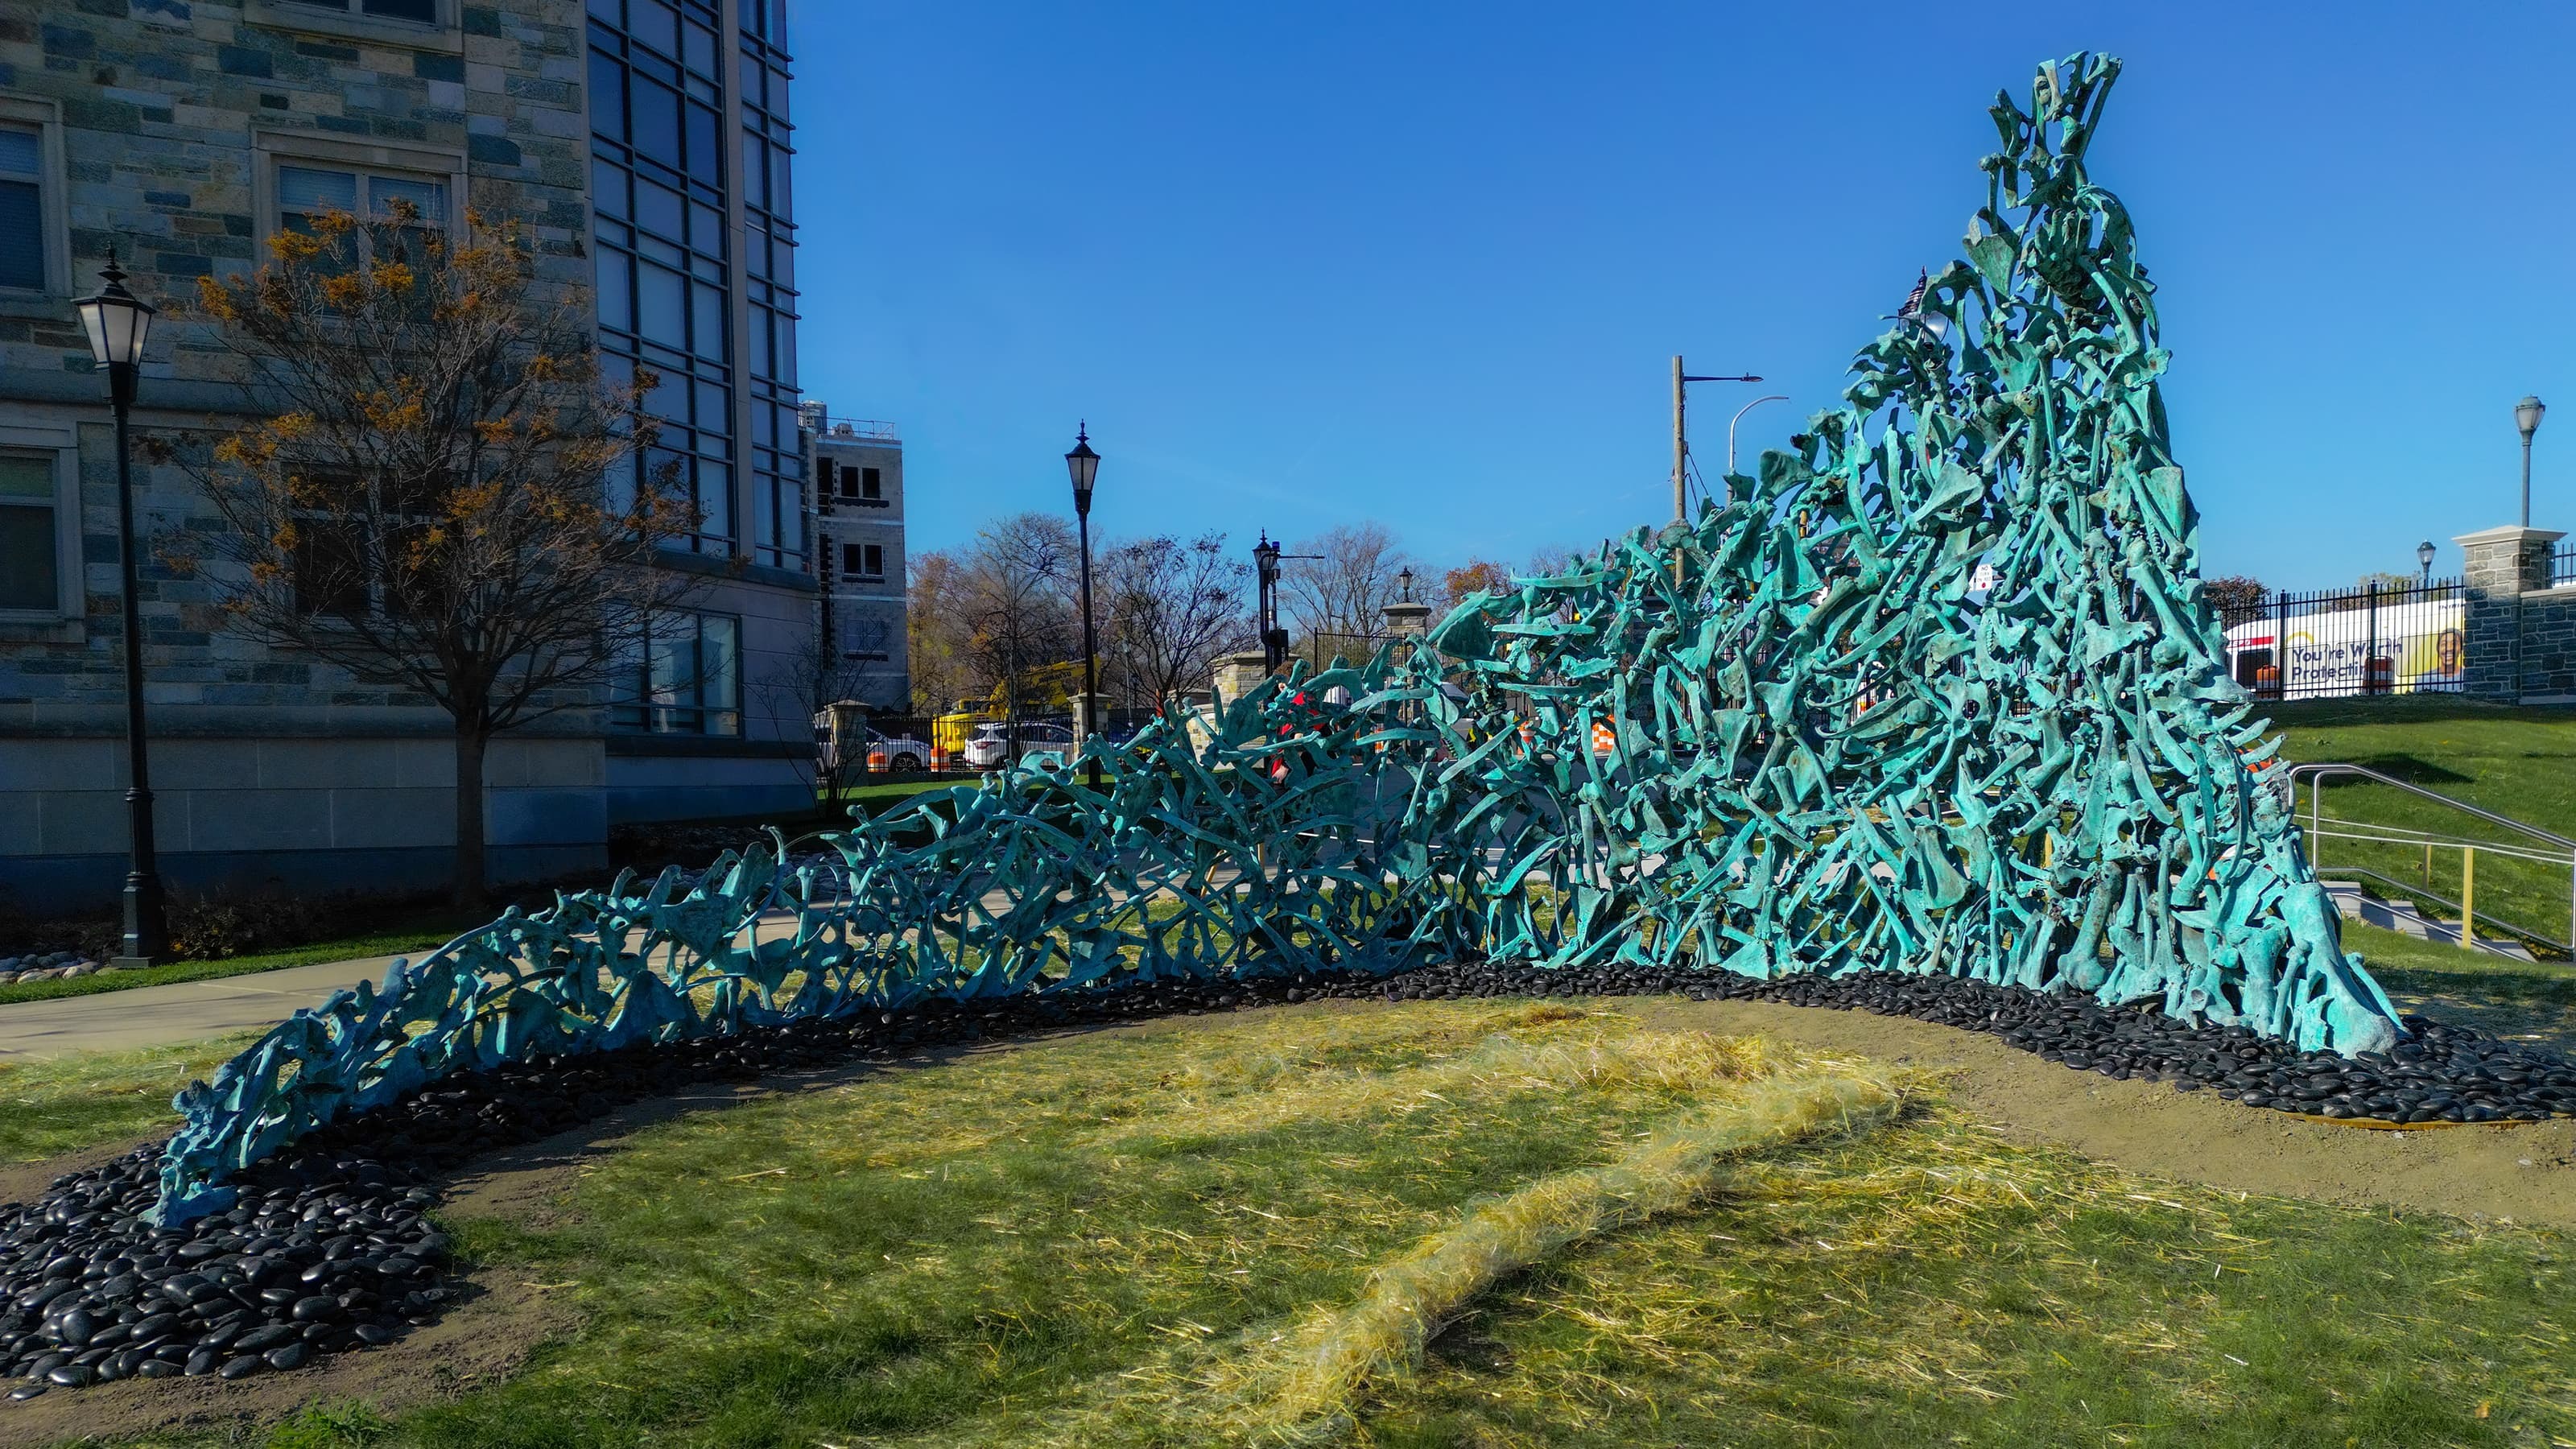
(2503, 564)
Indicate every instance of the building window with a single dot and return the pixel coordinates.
(852, 483)
(305, 194)
(684, 679)
(22, 206)
(863, 560)
(424, 11)
(349, 565)
(28, 576)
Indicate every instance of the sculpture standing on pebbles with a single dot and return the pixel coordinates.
(1935, 690)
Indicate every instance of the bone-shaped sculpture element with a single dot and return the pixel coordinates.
(1935, 690)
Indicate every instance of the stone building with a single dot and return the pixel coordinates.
(645, 145)
(858, 527)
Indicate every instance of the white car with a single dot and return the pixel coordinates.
(887, 752)
(987, 747)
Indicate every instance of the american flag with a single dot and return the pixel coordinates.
(1913, 308)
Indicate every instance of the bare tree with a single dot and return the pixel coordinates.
(1172, 609)
(1549, 559)
(2235, 597)
(940, 640)
(444, 497)
(796, 695)
(1017, 599)
(2358, 598)
(1337, 600)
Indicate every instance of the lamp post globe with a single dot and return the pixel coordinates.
(118, 324)
(1404, 581)
(1083, 465)
(2424, 558)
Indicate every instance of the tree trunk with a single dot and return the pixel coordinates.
(470, 743)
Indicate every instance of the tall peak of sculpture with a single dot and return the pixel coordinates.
(1936, 689)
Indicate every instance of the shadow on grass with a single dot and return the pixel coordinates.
(2412, 769)
(2408, 709)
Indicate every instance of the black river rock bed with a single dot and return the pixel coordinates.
(330, 1246)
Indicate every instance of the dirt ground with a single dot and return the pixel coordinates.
(2524, 1174)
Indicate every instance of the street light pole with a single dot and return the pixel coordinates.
(2526, 416)
(1265, 567)
(118, 322)
(1265, 618)
(1084, 465)
(2424, 557)
(1681, 435)
(1681, 452)
(1739, 417)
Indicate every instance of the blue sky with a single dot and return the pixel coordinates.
(1427, 263)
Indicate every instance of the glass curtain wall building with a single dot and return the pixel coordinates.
(672, 193)
(778, 531)
(694, 245)
(660, 231)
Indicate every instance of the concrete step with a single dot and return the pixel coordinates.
(2355, 904)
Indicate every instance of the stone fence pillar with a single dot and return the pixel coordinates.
(1237, 675)
(2503, 564)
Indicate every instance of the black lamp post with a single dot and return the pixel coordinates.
(2424, 556)
(1084, 465)
(117, 322)
(2526, 416)
(1265, 572)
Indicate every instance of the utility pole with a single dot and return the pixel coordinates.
(1681, 447)
(1681, 443)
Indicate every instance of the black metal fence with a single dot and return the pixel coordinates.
(2562, 566)
(2334, 643)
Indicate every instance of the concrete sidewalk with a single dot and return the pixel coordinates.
(150, 1016)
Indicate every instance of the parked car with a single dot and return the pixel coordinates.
(990, 744)
(897, 752)
(879, 751)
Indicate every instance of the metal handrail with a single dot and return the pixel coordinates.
(2408, 890)
(2319, 770)
(2325, 768)
(2399, 835)
(872, 430)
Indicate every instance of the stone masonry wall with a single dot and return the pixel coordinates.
(2549, 647)
(166, 109)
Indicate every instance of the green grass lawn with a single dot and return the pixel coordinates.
(1147, 1238)
(879, 797)
(65, 1104)
(2533, 1002)
(412, 931)
(2516, 762)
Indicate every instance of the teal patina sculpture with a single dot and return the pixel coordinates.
(1935, 690)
